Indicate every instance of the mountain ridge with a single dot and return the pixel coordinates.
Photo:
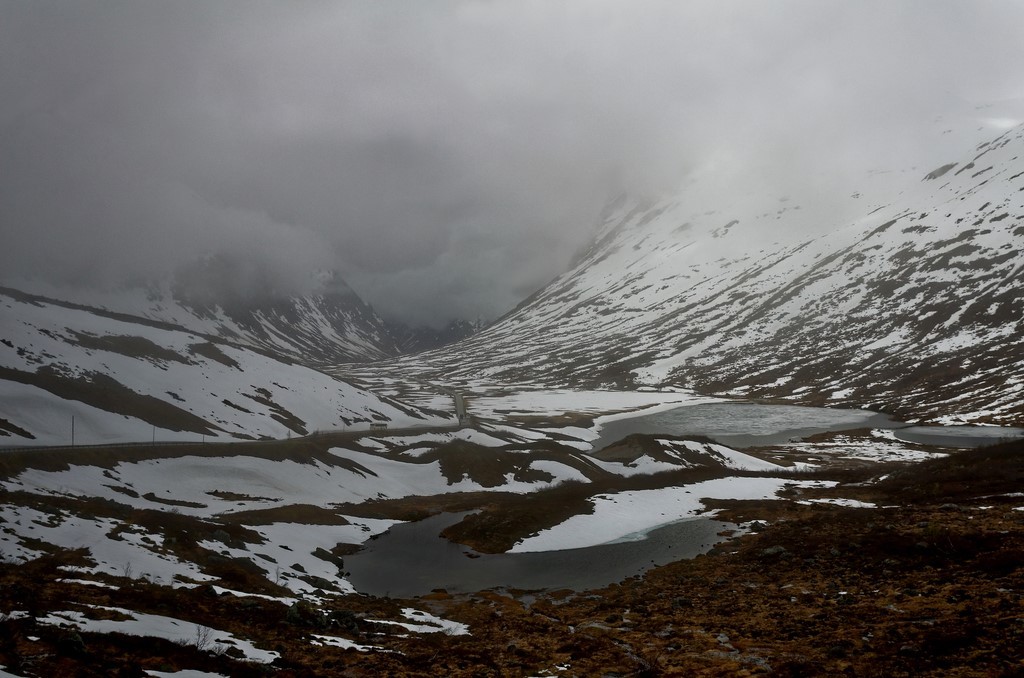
(875, 314)
(324, 325)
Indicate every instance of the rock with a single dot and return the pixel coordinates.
(70, 643)
(221, 536)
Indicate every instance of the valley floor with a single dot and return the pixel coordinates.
(854, 554)
(932, 587)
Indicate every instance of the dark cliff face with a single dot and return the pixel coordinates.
(411, 340)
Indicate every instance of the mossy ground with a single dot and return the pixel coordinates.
(929, 583)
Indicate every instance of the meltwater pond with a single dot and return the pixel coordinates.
(411, 559)
(744, 424)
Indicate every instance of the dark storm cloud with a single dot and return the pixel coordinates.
(448, 157)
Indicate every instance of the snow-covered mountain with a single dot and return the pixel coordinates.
(324, 323)
(916, 307)
(122, 379)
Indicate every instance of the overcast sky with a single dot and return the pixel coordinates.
(447, 157)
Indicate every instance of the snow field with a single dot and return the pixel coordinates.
(135, 553)
(424, 622)
(267, 483)
(344, 643)
(419, 622)
(467, 434)
(41, 335)
(157, 626)
(728, 457)
(621, 515)
(883, 446)
(287, 553)
(401, 479)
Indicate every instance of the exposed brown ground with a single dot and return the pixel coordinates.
(931, 586)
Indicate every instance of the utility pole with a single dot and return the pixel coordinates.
(72, 430)
(154, 435)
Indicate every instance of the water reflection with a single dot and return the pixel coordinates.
(412, 559)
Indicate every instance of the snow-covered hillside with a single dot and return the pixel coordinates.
(326, 324)
(124, 380)
(916, 307)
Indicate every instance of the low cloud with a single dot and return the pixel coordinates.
(450, 157)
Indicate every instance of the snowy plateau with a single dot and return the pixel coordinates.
(184, 482)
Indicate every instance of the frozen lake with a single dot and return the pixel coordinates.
(740, 425)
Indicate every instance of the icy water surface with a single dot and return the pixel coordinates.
(411, 559)
(740, 425)
(959, 436)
